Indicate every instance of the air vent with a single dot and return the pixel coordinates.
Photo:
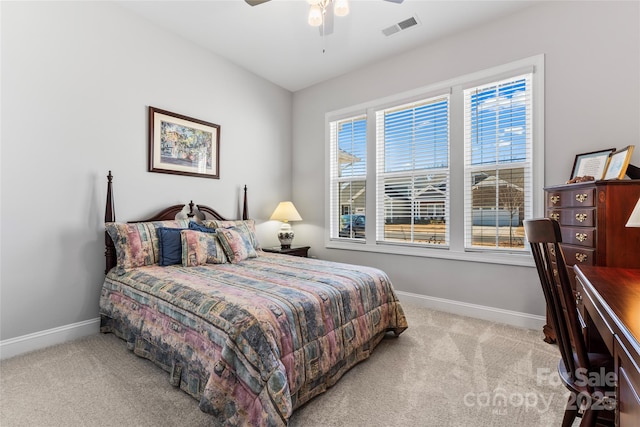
(402, 25)
(391, 30)
(407, 23)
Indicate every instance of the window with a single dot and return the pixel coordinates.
(453, 170)
(348, 176)
(497, 139)
(413, 172)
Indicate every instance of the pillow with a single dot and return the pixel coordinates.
(199, 227)
(200, 248)
(248, 224)
(169, 246)
(236, 243)
(137, 243)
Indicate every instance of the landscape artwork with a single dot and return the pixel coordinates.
(183, 145)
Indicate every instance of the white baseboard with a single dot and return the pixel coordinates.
(19, 345)
(514, 318)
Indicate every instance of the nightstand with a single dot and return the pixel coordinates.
(301, 251)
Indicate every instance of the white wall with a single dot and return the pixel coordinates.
(592, 88)
(77, 78)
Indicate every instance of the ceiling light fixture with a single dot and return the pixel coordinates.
(321, 13)
(318, 13)
(318, 9)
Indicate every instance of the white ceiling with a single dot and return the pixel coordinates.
(274, 40)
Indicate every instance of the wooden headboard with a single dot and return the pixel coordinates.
(166, 214)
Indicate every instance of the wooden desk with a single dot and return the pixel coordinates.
(609, 300)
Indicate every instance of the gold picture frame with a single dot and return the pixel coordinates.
(618, 163)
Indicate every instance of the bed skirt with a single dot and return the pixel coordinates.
(191, 377)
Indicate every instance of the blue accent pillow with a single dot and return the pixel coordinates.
(199, 227)
(169, 245)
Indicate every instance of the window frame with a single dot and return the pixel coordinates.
(336, 179)
(456, 249)
(410, 173)
(496, 166)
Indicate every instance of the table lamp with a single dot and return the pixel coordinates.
(634, 219)
(285, 212)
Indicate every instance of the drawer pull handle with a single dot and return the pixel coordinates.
(609, 402)
(581, 237)
(553, 252)
(555, 199)
(581, 257)
(555, 215)
(581, 217)
(581, 197)
(578, 299)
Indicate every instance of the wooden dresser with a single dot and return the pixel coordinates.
(592, 217)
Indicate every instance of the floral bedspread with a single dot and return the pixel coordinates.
(255, 340)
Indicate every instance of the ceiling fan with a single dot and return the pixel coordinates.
(321, 14)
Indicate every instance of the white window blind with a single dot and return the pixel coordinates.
(498, 163)
(412, 172)
(348, 151)
(450, 170)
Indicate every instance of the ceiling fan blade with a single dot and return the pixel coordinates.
(327, 28)
(395, 1)
(255, 2)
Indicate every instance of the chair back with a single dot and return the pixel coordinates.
(544, 237)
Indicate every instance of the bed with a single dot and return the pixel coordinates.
(251, 335)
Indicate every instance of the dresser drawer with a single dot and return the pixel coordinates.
(574, 198)
(578, 255)
(579, 217)
(581, 236)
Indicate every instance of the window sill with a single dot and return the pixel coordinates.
(506, 258)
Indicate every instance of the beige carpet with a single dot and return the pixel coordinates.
(445, 370)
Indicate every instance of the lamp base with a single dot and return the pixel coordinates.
(285, 235)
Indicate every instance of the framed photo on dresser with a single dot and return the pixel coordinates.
(618, 163)
(591, 164)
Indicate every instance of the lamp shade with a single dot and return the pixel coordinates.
(315, 15)
(341, 7)
(286, 212)
(634, 219)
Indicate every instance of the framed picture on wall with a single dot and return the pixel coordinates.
(618, 162)
(183, 145)
(591, 164)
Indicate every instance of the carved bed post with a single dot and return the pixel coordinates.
(109, 216)
(245, 208)
(109, 212)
